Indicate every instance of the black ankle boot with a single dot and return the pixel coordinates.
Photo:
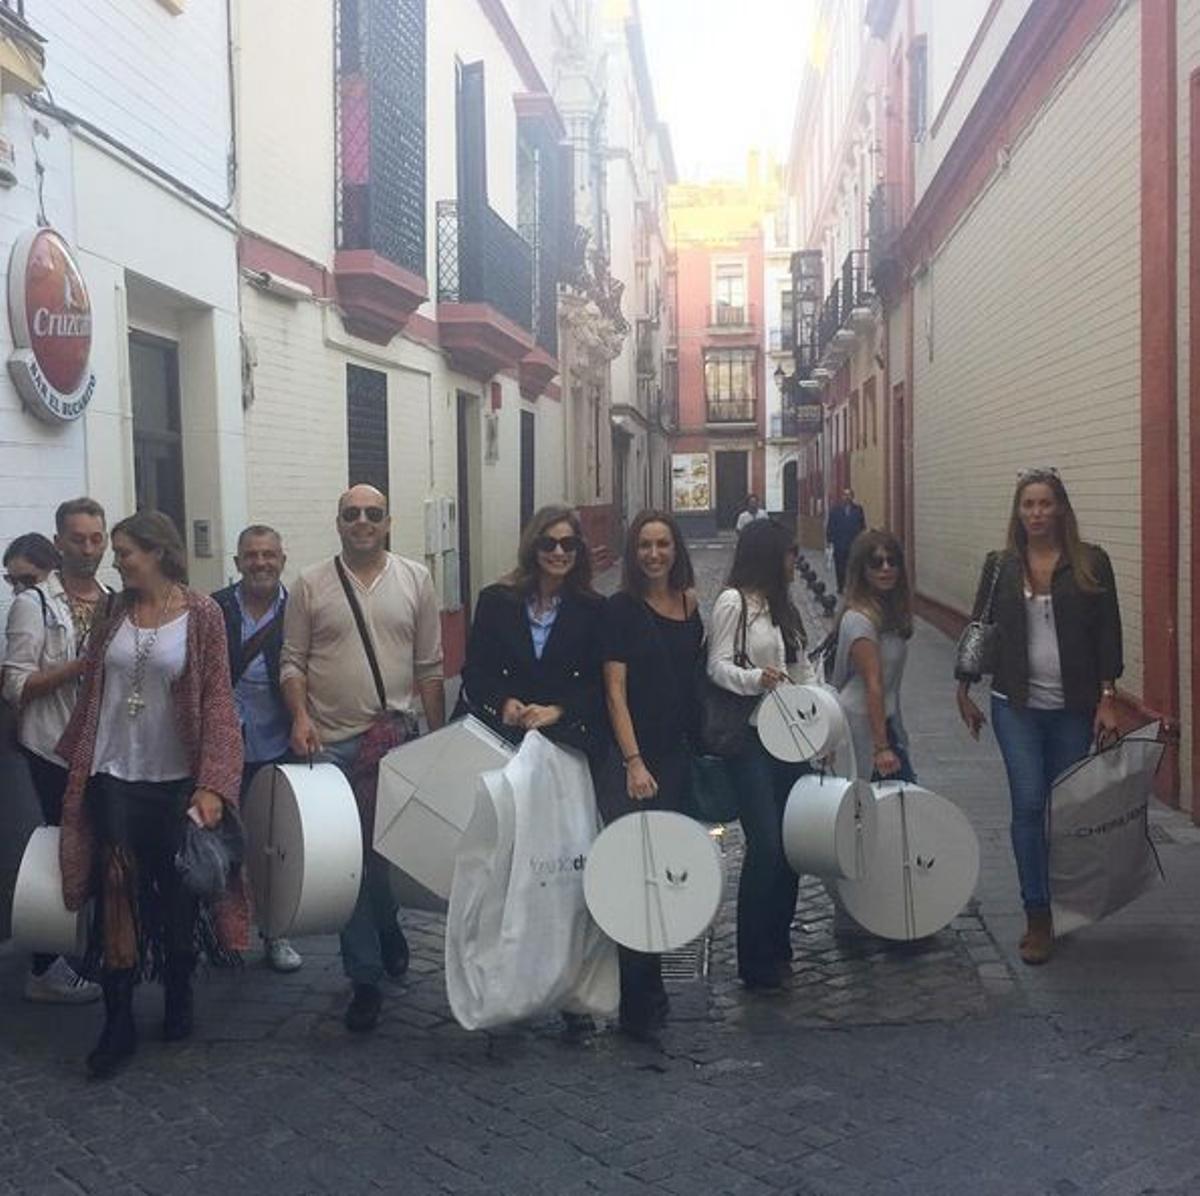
(118, 1039)
(178, 1010)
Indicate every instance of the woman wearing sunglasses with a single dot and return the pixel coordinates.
(756, 609)
(28, 561)
(534, 653)
(872, 646)
(1053, 600)
(653, 643)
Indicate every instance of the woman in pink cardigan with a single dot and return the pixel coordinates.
(153, 741)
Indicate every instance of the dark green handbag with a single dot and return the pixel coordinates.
(713, 796)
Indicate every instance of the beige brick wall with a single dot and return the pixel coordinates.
(1027, 333)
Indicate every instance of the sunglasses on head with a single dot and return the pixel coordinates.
(548, 544)
(353, 514)
(22, 581)
(1037, 471)
(881, 561)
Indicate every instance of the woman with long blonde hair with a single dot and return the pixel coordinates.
(1053, 600)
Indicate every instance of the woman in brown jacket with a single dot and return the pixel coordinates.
(153, 741)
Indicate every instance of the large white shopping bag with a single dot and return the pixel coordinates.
(519, 939)
(1101, 857)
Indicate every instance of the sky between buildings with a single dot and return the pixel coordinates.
(726, 77)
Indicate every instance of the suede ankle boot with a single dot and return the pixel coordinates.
(178, 1006)
(1037, 944)
(118, 1039)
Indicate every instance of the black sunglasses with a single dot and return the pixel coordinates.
(884, 562)
(22, 581)
(352, 514)
(548, 544)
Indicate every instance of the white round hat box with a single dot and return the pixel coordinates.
(798, 723)
(653, 880)
(924, 868)
(40, 920)
(304, 850)
(830, 827)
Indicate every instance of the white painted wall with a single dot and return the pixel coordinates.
(156, 81)
(1027, 340)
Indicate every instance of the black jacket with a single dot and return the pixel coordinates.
(226, 599)
(1088, 626)
(843, 526)
(500, 664)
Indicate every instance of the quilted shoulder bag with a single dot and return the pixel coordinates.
(724, 715)
(979, 644)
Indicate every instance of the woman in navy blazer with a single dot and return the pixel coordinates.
(534, 656)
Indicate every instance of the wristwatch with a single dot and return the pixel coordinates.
(1108, 691)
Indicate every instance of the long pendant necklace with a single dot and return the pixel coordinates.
(135, 703)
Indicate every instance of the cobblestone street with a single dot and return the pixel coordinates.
(942, 1067)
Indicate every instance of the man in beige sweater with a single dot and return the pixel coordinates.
(334, 699)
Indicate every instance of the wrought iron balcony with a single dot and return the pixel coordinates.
(503, 274)
(729, 317)
(785, 424)
(856, 283)
(645, 354)
(740, 410)
(831, 316)
(782, 340)
(884, 223)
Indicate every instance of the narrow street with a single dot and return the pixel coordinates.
(941, 1067)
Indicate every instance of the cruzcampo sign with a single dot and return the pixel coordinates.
(51, 317)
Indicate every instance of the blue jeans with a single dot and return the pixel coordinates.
(1036, 745)
(767, 887)
(376, 908)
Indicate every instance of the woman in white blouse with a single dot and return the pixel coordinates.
(759, 584)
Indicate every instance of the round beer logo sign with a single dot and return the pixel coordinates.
(51, 318)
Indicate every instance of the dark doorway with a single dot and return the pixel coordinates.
(620, 458)
(791, 489)
(732, 486)
(157, 427)
(367, 427)
(528, 449)
(468, 416)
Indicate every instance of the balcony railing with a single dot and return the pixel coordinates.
(785, 425)
(645, 355)
(742, 410)
(504, 277)
(884, 223)
(730, 315)
(856, 282)
(831, 316)
(782, 340)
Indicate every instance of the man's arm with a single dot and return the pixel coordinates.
(433, 701)
(293, 672)
(427, 654)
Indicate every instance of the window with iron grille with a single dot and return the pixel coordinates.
(381, 129)
(729, 385)
(367, 427)
(729, 293)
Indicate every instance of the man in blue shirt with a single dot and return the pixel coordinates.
(253, 610)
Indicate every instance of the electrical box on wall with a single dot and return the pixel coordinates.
(441, 525)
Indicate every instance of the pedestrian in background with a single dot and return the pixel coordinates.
(28, 561)
(846, 520)
(872, 646)
(756, 608)
(1053, 600)
(752, 512)
(253, 609)
(653, 640)
(533, 659)
(49, 626)
(363, 643)
(153, 739)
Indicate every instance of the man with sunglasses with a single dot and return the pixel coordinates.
(362, 642)
(49, 625)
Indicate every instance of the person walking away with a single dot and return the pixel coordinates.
(253, 609)
(873, 631)
(153, 740)
(846, 520)
(49, 626)
(362, 643)
(653, 640)
(752, 512)
(756, 606)
(1053, 600)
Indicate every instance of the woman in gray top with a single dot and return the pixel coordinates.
(872, 646)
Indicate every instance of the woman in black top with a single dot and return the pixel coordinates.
(652, 644)
(533, 656)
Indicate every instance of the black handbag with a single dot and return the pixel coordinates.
(978, 649)
(724, 715)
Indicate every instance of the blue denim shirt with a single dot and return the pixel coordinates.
(265, 721)
(541, 624)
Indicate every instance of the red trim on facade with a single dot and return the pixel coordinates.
(536, 371)
(502, 23)
(479, 340)
(423, 331)
(961, 74)
(259, 253)
(1159, 372)
(1194, 413)
(540, 106)
(454, 641)
(376, 296)
(1049, 39)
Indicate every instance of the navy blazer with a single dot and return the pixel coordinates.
(501, 664)
(843, 526)
(226, 599)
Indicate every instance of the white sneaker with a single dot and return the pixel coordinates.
(60, 985)
(282, 956)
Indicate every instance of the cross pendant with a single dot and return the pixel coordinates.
(135, 704)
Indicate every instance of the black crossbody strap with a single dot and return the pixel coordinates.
(361, 624)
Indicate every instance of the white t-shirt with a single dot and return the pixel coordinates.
(1045, 667)
(746, 518)
(146, 747)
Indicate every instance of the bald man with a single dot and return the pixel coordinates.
(348, 710)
